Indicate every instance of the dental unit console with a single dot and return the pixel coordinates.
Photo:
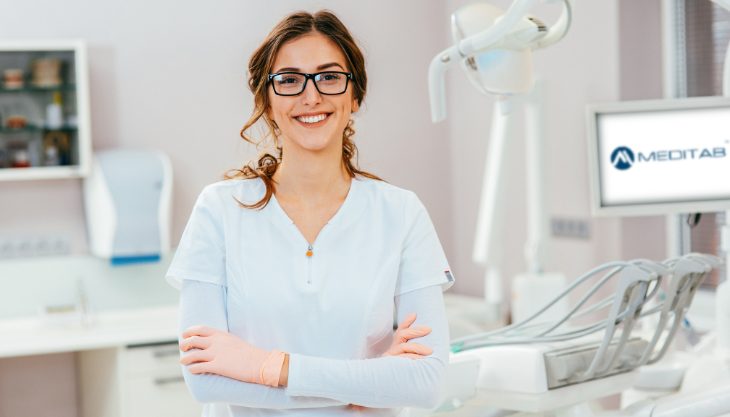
(537, 365)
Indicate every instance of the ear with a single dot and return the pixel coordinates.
(355, 106)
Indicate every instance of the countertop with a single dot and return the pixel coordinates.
(24, 336)
(130, 304)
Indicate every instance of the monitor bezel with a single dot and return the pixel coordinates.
(644, 209)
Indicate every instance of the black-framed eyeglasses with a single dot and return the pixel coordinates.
(329, 83)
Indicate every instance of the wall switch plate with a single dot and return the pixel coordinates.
(33, 245)
(576, 228)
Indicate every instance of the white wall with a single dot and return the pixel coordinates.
(641, 79)
(583, 68)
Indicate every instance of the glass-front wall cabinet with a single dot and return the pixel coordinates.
(44, 110)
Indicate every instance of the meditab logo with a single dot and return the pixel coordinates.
(622, 158)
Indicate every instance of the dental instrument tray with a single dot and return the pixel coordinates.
(527, 360)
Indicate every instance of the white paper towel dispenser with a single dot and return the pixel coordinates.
(128, 199)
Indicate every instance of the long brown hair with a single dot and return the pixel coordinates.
(292, 27)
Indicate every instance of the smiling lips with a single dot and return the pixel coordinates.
(312, 119)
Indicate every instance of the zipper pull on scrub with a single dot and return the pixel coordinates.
(310, 252)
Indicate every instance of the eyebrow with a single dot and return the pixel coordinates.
(319, 68)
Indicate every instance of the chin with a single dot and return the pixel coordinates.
(313, 143)
(314, 147)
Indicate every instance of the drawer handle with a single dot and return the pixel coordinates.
(164, 353)
(169, 380)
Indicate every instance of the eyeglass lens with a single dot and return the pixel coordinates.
(327, 83)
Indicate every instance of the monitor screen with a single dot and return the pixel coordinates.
(657, 157)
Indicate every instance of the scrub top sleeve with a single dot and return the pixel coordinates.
(201, 254)
(423, 262)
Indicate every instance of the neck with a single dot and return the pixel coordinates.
(311, 176)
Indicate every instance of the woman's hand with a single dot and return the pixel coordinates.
(403, 335)
(403, 349)
(225, 354)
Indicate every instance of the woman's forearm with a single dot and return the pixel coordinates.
(321, 382)
(203, 303)
(382, 382)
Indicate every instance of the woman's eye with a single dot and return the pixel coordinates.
(330, 77)
(288, 81)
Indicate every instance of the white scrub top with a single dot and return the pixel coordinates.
(337, 303)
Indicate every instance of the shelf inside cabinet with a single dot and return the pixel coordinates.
(32, 88)
(31, 128)
(41, 172)
(51, 72)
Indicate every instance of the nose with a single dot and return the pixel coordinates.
(310, 95)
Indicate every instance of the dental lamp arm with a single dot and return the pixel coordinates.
(472, 45)
(484, 41)
(560, 28)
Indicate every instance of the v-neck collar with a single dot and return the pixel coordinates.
(352, 194)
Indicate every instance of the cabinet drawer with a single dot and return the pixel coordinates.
(161, 395)
(156, 358)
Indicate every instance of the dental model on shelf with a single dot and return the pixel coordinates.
(553, 367)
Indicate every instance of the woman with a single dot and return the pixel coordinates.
(289, 271)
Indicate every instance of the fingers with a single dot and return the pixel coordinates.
(407, 321)
(402, 336)
(201, 367)
(197, 356)
(414, 332)
(204, 331)
(195, 342)
(411, 356)
(410, 348)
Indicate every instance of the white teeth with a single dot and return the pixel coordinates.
(312, 119)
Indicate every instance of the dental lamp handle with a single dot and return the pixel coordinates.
(437, 81)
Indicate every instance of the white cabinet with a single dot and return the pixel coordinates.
(134, 381)
(45, 126)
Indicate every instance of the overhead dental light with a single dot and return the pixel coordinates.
(495, 49)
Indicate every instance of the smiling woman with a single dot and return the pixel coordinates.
(290, 270)
(318, 40)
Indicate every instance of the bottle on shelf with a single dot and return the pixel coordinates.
(52, 157)
(21, 159)
(54, 113)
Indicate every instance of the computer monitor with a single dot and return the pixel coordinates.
(659, 156)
